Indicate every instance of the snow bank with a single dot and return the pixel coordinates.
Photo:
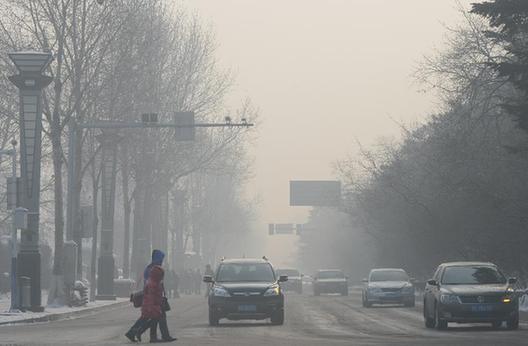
(8, 317)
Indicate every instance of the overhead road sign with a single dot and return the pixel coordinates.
(315, 193)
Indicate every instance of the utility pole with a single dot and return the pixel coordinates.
(31, 81)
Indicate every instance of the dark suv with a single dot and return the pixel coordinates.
(470, 292)
(245, 289)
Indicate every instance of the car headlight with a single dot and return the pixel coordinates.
(449, 299)
(220, 292)
(272, 291)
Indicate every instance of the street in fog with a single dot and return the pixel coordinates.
(323, 320)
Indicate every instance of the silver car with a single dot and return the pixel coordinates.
(388, 286)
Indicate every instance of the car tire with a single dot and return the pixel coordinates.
(366, 303)
(440, 324)
(513, 323)
(496, 324)
(213, 318)
(277, 318)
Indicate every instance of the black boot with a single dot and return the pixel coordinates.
(131, 335)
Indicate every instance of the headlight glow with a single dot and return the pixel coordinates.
(272, 291)
(449, 299)
(220, 292)
(506, 300)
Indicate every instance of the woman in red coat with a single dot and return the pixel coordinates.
(153, 294)
(151, 307)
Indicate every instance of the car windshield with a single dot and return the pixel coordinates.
(389, 275)
(474, 275)
(288, 272)
(243, 272)
(331, 274)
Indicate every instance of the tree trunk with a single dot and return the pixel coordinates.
(127, 210)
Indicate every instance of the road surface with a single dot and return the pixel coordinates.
(323, 320)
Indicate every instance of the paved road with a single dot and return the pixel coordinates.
(324, 320)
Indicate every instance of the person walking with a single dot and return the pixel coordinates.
(151, 311)
(144, 322)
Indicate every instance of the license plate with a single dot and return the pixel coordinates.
(247, 308)
(481, 308)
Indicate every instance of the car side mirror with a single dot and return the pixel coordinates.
(512, 281)
(432, 282)
(364, 280)
(283, 278)
(208, 279)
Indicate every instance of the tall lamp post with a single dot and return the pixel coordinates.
(31, 81)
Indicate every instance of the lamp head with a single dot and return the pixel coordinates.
(31, 62)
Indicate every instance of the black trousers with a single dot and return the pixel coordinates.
(142, 324)
(164, 329)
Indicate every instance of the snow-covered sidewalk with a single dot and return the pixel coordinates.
(50, 313)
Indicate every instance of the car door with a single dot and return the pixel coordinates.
(430, 293)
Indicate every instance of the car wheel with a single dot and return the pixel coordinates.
(496, 324)
(213, 318)
(513, 323)
(366, 303)
(277, 318)
(440, 324)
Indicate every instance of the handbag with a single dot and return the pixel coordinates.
(165, 304)
(137, 299)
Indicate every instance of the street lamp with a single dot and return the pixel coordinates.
(30, 81)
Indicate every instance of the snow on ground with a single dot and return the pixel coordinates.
(7, 317)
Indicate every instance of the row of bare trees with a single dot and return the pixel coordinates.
(454, 188)
(115, 60)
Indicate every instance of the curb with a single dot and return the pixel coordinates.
(65, 315)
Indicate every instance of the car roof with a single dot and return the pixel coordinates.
(461, 263)
(244, 260)
(387, 269)
(329, 270)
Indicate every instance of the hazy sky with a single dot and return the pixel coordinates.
(323, 73)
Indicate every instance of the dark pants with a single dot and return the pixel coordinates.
(141, 325)
(164, 329)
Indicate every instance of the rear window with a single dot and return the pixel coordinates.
(288, 272)
(330, 274)
(244, 272)
(389, 275)
(472, 275)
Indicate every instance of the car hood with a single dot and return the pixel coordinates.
(474, 289)
(332, 280)
(245, 286)
(389, 284)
